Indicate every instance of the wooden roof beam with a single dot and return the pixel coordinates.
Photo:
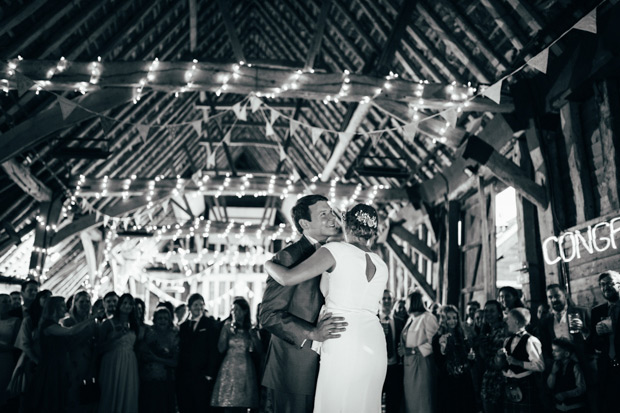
(230, 29)
(318, 35)
(406, 261)
(29, 183)
(193, 23)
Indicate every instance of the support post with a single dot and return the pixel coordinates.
(454, 254)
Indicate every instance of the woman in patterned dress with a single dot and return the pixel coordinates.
(236, 387)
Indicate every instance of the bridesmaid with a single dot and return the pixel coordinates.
(236, 387)
(417, 350)
(118, 374)
(9, 326)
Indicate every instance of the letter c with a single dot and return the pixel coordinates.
(546, 253)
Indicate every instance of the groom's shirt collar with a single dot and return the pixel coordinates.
(312, 240)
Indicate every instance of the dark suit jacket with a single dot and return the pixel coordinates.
(198, 353)
(289, 313)
(601, 343)
(399, 324)
(546, 334)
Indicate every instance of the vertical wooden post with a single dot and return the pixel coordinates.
(607, 100)
(488, 249)
(454, 254)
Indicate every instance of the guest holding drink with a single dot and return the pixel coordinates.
(491, 340)
(606, 319)
(417, 350)
(566, 379)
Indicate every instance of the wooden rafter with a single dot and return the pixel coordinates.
(231, 30)
(318, 35)
(406, 261)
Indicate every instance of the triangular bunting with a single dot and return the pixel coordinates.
(205, 115)
(296, 176)
(106, 124)
(211, 160)
(137, 219)
(66, 107)
(282, 154)
(125, 223)
(218, 121)
(106, 219)
(197, 125)
(293, 125)
(150, 214)
(374, 137)
(23, 83)
(97, 216)
(143, 130)
(239, 111)
(274, 115)
(409, 131)
(494, 92)
(450, 116)
(316, 134)
(243, 113)
(164, 205)
(269, 129)
(227, 138)
(539, 62)
(587, 23)
(255, 103)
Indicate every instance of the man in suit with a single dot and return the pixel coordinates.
(392, 327)
(606, 340)
(564, 318)
(291, 314)
(198, 358)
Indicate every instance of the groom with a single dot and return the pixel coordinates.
(291, 314)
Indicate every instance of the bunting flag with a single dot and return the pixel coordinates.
(587, 23)
(374, 137)
(205, 115)
(227, 137)
(293, 126)
(150, 214)
(450, 116)
(164, 205)
(84, 204)
(125, 223)
(243, 114)
(539, 62)
(197, 125)
(106, 124)
(23, 84)
(143, 130)
(269, 129)
(494, 92)
(316, 134)
(106, 219)
(239, 111)
(282, 153)
(255, 103)
(97, 216)
(274, 115)
(295, 176)
(409, 131)
(66, 107)
(211, 160)
(218, 121)
(137, 218)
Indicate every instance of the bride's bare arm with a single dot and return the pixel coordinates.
(319, 262)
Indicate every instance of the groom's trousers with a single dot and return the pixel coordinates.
(291, 403)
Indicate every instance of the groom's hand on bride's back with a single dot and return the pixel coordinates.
(328, 327)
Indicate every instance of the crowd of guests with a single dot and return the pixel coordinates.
(73, 355)
(566, 359)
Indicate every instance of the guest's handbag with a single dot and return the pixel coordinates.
(89, 391)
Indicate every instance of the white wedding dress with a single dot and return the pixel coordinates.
(353, 367)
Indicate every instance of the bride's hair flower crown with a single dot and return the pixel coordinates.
(366, 219)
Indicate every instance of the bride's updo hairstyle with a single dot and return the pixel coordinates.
(362, 221)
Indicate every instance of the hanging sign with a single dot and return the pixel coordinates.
(593, 239)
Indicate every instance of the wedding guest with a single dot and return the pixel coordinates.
(490, 341)
(29, 290)
(49, 391)
(236, 387)
(453, 353)
(542, 311)
(509, 298)
(167, 305)
(606, 319)
(416, 348)
(82, 356)
(118, 373)
(140, 311)
(472, 307)
(180, 313)
(9, 327)
(98, 310)
(16, 299)
(436, 311)
(198, 358)
(523, 357)
(392, 327)
(159, 353)
(400, 310)
(110, 300)
(566, 379)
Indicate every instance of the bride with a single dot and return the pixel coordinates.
(353, 366)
